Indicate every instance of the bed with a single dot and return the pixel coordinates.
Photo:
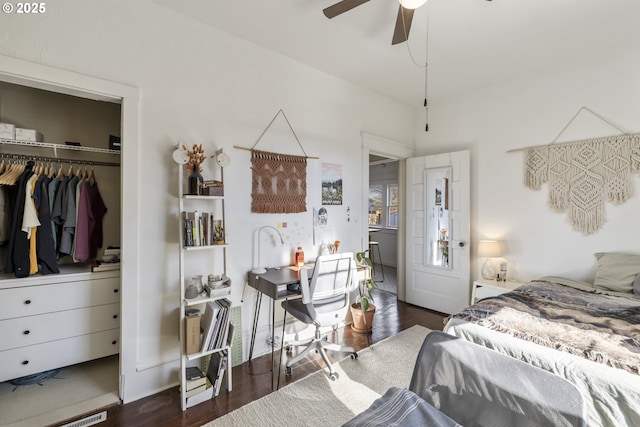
(586, 333)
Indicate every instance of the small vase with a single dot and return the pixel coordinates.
(195, 183)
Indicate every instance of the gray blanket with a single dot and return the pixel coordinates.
(601, 328)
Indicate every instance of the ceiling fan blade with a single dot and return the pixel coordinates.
(403, 25)
(341, 7)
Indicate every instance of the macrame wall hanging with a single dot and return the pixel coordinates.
(583, 174)
(279, 181)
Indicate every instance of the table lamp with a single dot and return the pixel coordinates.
(489, 249)
(258, 269)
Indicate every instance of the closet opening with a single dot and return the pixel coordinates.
(60, 322)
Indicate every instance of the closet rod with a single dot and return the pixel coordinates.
(13, 156)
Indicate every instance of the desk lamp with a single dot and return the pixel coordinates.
(489, 249)
(258, 269)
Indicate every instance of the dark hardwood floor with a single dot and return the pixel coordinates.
(252, 380)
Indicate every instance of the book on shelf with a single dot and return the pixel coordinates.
(230, 334)
(105, 266)
(216, 329)
(222, 326)
(188, 228)
(207, 324)
(194, 391)
(216, 370)
(191, 384)
(196, 381)
(199, 228)
(200, 397)
(193, 373)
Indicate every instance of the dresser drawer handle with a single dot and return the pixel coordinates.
(114, 342)
(115, 291)
(28, 301)
(27, 332)
(115, 316)
(25, 362)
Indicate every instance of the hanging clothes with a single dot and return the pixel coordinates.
(45, 244)
(5, 224)
(18, 248)
(30, 222)
(52, 190)
(43, 218)
(69, 224)
(59, 211)
(91, 211)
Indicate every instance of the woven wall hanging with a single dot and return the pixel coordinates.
(583, 174)
(279, 181)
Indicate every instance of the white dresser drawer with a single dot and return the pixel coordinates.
(40, 299)
(24, 331)
(29, 360)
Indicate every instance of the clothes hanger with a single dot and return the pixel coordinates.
(60, 174)
(91, 178)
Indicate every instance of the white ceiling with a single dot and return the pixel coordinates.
(471, 43)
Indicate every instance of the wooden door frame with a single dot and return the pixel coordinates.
(373, 144)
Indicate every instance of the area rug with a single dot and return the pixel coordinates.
(73, 391)
(317, 401)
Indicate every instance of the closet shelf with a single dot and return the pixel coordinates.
(56, 147)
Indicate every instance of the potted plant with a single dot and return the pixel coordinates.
(363, 309)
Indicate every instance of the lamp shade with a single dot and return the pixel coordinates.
(489, 249)
(412, 4)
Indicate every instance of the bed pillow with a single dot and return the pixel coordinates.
(616, 272)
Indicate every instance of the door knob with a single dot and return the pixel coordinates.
(461, 244)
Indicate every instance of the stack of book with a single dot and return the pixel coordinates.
(202, 229)
(196, 381)
(215, 324)
(105, 265)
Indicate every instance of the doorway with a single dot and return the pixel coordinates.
(383, 218)
(397, 151)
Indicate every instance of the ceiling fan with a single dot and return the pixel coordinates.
(403, 20)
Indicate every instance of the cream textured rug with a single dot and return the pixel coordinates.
(317, 401)
(75, 390)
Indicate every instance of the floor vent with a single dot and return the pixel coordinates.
(88, 421)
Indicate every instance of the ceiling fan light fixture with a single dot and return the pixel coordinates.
(411, 4)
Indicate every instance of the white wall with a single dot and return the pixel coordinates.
(199, 85)
(533, 110)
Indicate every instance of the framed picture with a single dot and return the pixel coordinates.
(331, 184)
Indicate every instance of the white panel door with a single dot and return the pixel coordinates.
(437, 262)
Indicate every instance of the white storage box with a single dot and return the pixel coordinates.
(28, 135)
(7, 131)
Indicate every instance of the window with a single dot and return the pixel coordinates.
(392, 205)
(375, 204)
(383, 205)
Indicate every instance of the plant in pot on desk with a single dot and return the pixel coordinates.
(363, 309)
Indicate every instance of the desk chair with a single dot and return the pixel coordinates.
(324, 302)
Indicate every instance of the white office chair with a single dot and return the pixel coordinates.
(324, 302)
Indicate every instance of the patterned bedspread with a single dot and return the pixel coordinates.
(598, 327)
